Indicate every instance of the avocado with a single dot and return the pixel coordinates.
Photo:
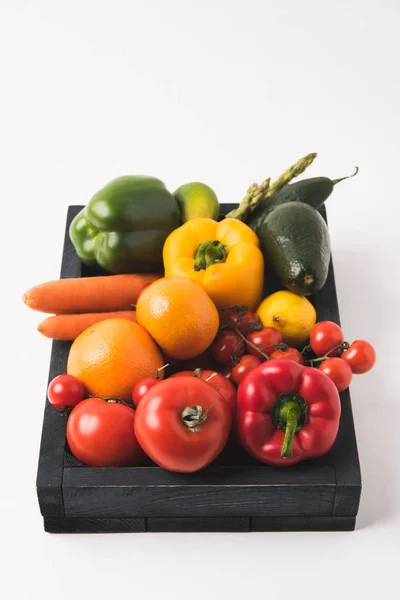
(294, 239)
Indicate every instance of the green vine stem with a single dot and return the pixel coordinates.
(342, 346)
(193, 416)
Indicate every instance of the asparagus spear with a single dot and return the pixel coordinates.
(258, 193)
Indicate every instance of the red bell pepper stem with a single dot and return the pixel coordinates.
(290, 412)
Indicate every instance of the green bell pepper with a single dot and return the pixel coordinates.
(124, 226)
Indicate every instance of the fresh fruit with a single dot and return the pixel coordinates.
(266, 340)
(111, 356)
(294, 239)
(196, 200)
(101, 434)
(247, 363)
(183, 424)
(244, 320)
(324, 337)
(68, 327)
(360, 356)
(289, 354)
(339, 371)
(125, 225)
(87, 294)
(313, 191)
(179, 315)
(218, 381)
(65, 391)
(227, 347)
(223, 257)
(143, 385)
(293, 315)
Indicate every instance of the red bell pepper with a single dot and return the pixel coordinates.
(287, 412)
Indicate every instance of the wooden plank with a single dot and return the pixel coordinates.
(198, 524)
(88, 525)
(50, 468)
(313, 523)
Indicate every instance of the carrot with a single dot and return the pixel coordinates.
(68, 327)
(88, 294)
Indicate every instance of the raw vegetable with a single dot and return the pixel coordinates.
(247, 363)
(218, 381)
(295, 241)
(196, 200)
(224, 258)
(325, 337)
(183, 424)
(287, 413)
(87, 294)
(65, 391)
(360, 356)
(68, 327)
(227, 347)
(289, 354)
(266, 340)
(241, 318)
(124, 226)
(339, 371)
(101, 434)
(141, 388)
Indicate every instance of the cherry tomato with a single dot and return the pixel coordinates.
(360, 356)
(227, 344)
(289, 354)
(247, 363)
(246, 322)
(65, 391)
(266, 340)
(227, 372)
(219, 382)
(141, 388)
(183, 424)
(203, 361)
(324, 336)
(101, 434)
(338, 371)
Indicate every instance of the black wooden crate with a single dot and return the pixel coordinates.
(235, 493)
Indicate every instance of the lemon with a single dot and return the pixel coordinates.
(196, 200)
(291, 314)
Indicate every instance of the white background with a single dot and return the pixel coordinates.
(225, 92)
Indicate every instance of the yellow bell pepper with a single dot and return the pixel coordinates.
(224, 258)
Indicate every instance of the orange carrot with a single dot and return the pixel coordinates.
(88, 294)
(68, 327)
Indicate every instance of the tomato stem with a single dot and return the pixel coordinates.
(341, 346)
(246, 341)
(160, 369)
(193, 416)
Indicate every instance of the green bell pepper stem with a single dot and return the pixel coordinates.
(289, 413)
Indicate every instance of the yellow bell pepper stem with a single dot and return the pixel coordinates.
(209, 253)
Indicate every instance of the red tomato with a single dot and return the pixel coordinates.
(360, 356)
(338, 371)
(65, 391)
(175, 439)
(289, 354)
(141, 387)
(219, 382)
(324, 336)
(266, 340)
(247, 363)
(226, 345)
(203, 361)
(101, 434)
(227, 372)
(246, 322)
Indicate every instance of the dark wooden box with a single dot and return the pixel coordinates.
(235, 493)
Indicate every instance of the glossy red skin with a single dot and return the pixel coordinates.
(289, 354)
(324, 336)
(257, 394)
(101, 434)
(247, 363)
(65, 391)
(338, 371)
(141, 388)
(360, 356)
(266, 339)
(225, 344)
(246, 323)
(219, 382)
(164, 436)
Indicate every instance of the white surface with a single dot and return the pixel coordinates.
(225, 92)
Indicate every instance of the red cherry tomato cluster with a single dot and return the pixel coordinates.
(327, 342)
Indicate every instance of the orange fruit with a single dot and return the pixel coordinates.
(179, 315)
(111, 356)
